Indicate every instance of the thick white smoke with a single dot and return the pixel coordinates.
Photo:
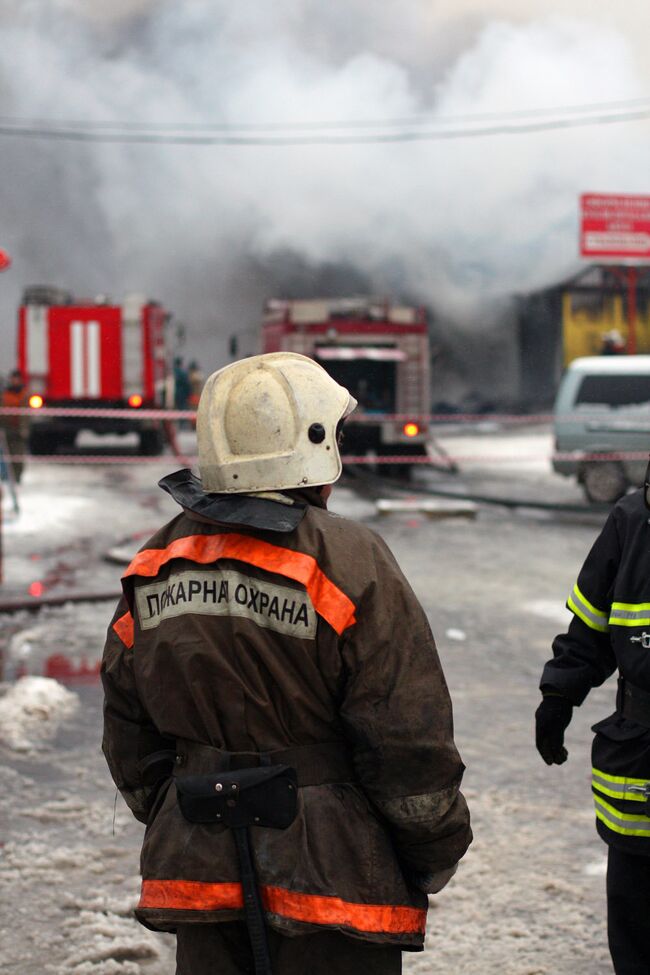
(212, 231)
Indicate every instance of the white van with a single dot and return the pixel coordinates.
(603, 408)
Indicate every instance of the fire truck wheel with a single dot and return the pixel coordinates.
(67, 439)
(39, 442)
(151, 443)
(603, 482)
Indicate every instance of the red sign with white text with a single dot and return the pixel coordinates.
(615, 226)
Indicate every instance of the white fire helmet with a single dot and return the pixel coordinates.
(269, 423)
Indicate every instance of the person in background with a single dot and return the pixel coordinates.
(610, 630)
(181, 390)
(16, 427)
(613, 343)
(181, 385)
(196, 380)
(258, 631)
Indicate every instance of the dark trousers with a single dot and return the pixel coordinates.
(224, 949)
(16, 445)
(628, 912)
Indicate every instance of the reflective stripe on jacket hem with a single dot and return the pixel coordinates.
(593, 617)
(328, 600)
(630, 614)
(624, 823)
(195, 895)
(618, 786)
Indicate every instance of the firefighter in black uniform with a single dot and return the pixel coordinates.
(610, 630)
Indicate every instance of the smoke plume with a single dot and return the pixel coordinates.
(213, 230)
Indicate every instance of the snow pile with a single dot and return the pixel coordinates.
(111, 944)
(32, 710)
(86, 933)
(44, 861)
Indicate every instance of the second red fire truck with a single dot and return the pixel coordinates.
(93, 355)
(379, 351)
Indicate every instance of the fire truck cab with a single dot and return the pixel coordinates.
(379, 351)
(92, 355)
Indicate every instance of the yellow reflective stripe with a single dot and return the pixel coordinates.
(581, 596)
(626, 824)
(630, 614)
(642, 621)
(589, 614)
(625, 779)
(620, 787)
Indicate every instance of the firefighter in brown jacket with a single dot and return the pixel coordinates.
(257, 629)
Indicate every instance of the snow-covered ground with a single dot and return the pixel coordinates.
(528, 898)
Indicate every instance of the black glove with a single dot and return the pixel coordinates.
(551, 718)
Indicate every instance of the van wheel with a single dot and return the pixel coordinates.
(603, 482)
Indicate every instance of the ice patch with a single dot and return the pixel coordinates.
(32, 710)
(550, 609)
(38, 518)
(21, 643)
(453, 634)
(597, 869)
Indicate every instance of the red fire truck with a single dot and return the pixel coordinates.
(378, 350)
(94, 355)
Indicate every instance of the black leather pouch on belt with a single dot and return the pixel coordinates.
(253, 789)
(263, 796)
(266, 795)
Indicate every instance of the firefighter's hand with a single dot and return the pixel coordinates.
(551, 719)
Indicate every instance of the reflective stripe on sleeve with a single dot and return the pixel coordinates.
(618, 786)
(328, 600)
(630, 614)
(194, 895)
(580, 605)
(624, 823)
(124, 629)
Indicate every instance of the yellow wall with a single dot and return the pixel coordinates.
(582, 331)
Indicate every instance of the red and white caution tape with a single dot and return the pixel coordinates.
(447, 461)
(634, 420)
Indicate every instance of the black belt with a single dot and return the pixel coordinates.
(315, 764)
(633, 703)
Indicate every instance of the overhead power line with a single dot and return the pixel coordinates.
(361, 123)
(144, 134)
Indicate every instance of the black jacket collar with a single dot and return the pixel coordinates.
(240, 509)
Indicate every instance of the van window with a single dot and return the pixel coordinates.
(614, 390)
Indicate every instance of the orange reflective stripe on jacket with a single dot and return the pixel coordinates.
(328, 600)
(194, 895)
(124, 629)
